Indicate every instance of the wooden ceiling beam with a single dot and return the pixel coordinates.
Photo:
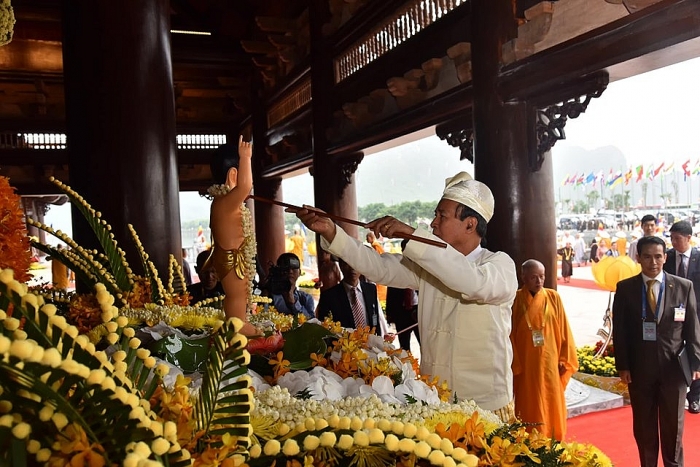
(657, 27)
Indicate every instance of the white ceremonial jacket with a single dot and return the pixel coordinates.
(464, 310)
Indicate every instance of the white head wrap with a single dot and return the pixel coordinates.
(463, 189)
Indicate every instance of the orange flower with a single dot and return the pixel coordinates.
(281, 366)
(84, 312)
(455, 433)
(318, 360)
(15, 253)
(75, 449)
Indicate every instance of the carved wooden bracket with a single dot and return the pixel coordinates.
(549, 121)
(459, 133)
(347, 168)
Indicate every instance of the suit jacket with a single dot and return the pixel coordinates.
(335, 301)
(632, 352)
(693, 273)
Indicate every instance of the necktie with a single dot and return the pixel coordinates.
(357, 312)
(651, 296)
(682, 268)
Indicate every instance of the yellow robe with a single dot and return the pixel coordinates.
(537, 385)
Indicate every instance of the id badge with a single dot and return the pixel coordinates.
(649, 330)
(679, 314)
(538, 338)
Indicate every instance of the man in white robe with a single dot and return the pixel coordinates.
(465, 292)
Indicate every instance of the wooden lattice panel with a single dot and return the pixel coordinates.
(405, 23)
(298, 97)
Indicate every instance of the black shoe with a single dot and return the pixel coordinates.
(694, 407)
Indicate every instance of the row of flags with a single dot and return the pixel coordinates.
(637, 174)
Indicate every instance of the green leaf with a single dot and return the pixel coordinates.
(301, 342)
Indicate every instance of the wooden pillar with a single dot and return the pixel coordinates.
(334, 176)
(269, 222)
(523, 224)
(120, 119)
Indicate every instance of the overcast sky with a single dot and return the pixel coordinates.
(649, 117)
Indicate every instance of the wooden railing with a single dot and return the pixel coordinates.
(200, 141)
(32, 140)
(405, 23)
(298, 97)
(58, 141)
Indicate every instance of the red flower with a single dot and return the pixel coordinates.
(265, 345)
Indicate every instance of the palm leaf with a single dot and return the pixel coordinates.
(215, 403)
(114, 254)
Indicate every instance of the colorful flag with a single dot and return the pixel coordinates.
(615, 179)
(686, 169)
(669, 168)
(565, 181)
(658, 170)
(628, 176)
(640, 172)
(650, 172)
(580, 180)
(696, 167)
(590, 178)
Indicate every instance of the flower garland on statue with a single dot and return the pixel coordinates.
(7, 22)
(250, 247)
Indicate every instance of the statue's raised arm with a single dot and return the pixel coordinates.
(234, 247)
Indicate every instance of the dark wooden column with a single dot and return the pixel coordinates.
(120, 119)
(334, 177)
(523, 224)
(269, 221)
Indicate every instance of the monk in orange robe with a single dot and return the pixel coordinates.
(544, 354)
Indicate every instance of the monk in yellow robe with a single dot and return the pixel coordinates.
(544, 354)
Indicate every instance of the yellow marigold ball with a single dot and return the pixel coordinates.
(290, 448)
(437, 458)
(422, 433)
(407, 445)
(21, 349)
(459, 454)
(398, 427)
(149, 362)
(33, 446)
(19, 335)
(422, 449)
(345, 442)
(310, 424)
(122, 322)
(434, 440)
(5, 406)
(376, 436)
(96, 376)
(11, 324)
(449, 462)
(333, 421)
(112, 338)
(162, 369)
(272, 447)
(384, 425)
(46, 413)
(108, 383)
(128, 332)
(43, 455)
(321, 424)
(344, 423)
(410, 430)
(361, 438)
(391, 442)
(446, 446)
(255, 451)
(284, 429)
(471, 460)
(59, 420)
(111, 326)
(356, 423)
(6, 421)
(160, 446)
(327, 439)
(21, 430)
(311, 442)
(369, 423)
(4, 344)
(134, 343)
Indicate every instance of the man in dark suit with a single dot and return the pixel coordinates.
(654, 317)
(352, 302)
(684, 261)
